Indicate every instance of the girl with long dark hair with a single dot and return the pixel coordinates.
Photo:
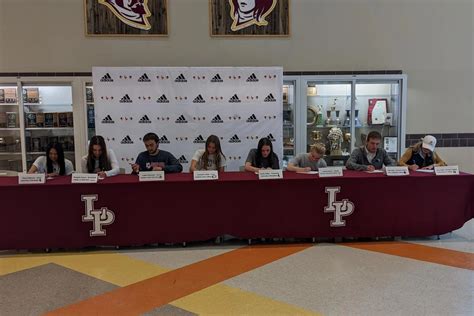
(262, 157)
(100, 159)
(54, 163)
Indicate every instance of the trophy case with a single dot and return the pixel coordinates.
(10, 132)
(48, 113)
(289, 123)
(339, 111)
(90, 110)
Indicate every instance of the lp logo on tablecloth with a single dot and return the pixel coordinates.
(102, 216)
(340, 208)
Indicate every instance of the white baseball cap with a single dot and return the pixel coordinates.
(429, 142)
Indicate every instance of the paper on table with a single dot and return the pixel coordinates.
(308, 172)
(375, 171)
(425, 170)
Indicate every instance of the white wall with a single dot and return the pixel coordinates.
(430, 40)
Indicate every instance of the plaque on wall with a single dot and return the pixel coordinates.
(31, 119)
(32, 95)
(48, 120)
(12, 119)
(62, 119)
(10, 95)
(39, 119)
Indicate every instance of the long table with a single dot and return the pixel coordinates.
(122, 211)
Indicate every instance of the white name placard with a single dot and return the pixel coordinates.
(397, 171)
(266, 174)
(447, 170)
(151, 176)
(205, 175)
(84, 178)
(330, 172)
(37, 178)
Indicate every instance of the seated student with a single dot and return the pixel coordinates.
(422, 155)
(369, 157)
(100, 160)
(54, 163)
(311, 161)
(154, 159)
(262, 157)
(210, 158)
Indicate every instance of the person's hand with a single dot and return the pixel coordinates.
(102, 174)
(307, 169)
(413, 167)
(370, 168)
(135, 167)
(428, 167)
(157, 168)
(53, 174)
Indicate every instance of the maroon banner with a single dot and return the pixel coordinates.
(121, 211)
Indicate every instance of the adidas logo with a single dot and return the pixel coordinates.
(106, 78)
(271, 138)
(252, 119)
(180, 78)
(144, 120)
(217, 119)
(270, 98)
(144, 78)
(199, 99)
(234, 99)
(217, 78)
(181, 119)
(126, 140)
(162, 99)
(234, 139)
(252, 78)
(164, 140)
(108, 120)
(126, 99)
(199, 140)
(183, 159)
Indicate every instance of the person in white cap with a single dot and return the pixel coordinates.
(422, 155)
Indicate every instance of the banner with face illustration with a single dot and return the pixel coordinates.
(184, 106)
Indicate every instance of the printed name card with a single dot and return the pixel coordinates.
(145, 176)
(397, 171)
(37, 178)
(206, 175)
(447, 170)
(266, 174)
(84, 178)
(330, 172)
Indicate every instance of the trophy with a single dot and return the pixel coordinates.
(316, 137)
(356, 119)
(338, 121)
(319, 116)
(335, 141)
(347, 121)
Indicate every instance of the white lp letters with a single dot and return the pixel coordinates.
(340, 208)
(99, 217)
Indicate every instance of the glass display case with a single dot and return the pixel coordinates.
(10, 132)
(48, 116)
(289, 105)
(90, 111)
(340, 110)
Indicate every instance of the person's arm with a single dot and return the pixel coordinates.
(322, 163)
(36, 164)
(138, 165)
(172, 165)
(275, 162)
(192, 168)
(33, 169)
(294, 168)
(353, 161)
(249, 161)
(438, 162)
(405, 157)
(113, 163)
(250, 168)
(69, 167)
(197, 156)
(387, 161)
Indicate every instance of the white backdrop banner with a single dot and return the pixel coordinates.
(185, 105)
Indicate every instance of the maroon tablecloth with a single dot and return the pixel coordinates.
(180, 209)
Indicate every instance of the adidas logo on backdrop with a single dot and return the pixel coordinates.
(126, 99)
(217, 78)
(217, 119)
(252, 78)
(234, 99)
(126, 140)
(180, 78)
(164, 140)
(108, 120)
(106, 78)
(270, 98)
(183, 159)
(162, 99)
(144, 119)
(252, 119)
(271, 138)
(234, 139)
(199, 140)
(181, 119)
(144, 78)
(199, 99)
